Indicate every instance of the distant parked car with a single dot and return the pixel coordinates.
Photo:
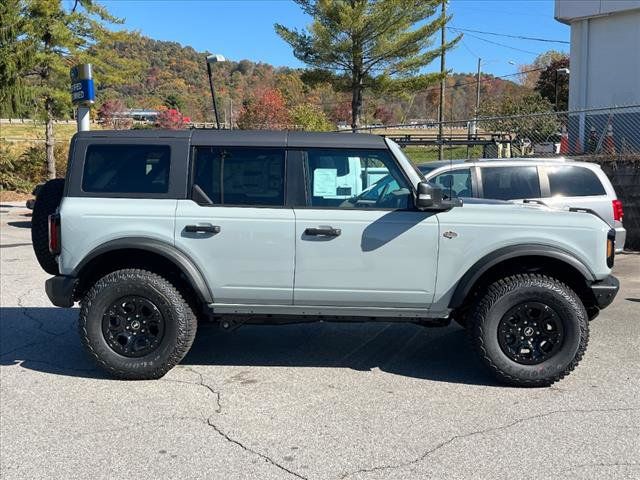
(558, 182)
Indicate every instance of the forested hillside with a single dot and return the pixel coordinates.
(176, 76)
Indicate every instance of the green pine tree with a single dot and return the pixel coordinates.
(56, 35)
(377, 44)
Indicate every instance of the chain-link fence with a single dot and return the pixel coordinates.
(609, 131)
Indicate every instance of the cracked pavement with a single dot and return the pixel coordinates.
(319, 401)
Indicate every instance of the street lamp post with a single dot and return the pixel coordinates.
(211, 59)
(559, 71)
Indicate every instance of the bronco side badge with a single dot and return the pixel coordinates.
(450, 234)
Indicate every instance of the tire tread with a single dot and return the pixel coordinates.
(186, 322)
(500, 288)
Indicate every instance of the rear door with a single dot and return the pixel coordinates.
(371, 250)
(236, 226)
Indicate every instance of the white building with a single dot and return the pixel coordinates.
(605, 60)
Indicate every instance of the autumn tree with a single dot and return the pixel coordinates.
(530, 73)
(383, 114)
(110, 114)
(341, 111)
(369, 44)
(310, 118)
(553, 84)
(264, 111)
(170, 119)
(527, 116)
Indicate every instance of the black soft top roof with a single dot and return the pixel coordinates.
(251, 138)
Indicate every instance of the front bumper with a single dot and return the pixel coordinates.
(60, 290)
(604, 291)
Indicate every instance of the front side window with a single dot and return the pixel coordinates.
(125, 169)
(510, 183)
(458, 182)
(571, 181)
(354, 179)
(240, 176)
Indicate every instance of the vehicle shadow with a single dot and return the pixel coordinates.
(20, 224)
(46, 340)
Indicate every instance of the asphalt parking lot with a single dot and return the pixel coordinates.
(320, 401)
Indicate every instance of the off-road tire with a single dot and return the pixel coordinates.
(180, 328)
(47, 201)
(506, 293)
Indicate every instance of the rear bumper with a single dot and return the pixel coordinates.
(604, 291)
(60, 290)
(621, 237)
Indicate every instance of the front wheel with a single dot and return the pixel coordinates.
(530, 330)
(136, 324)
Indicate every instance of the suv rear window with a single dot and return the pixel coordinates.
(126, 169)
(240, 176)
(509, 183)
(571, 181)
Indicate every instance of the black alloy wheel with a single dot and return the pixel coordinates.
(530, 333)
(133, 326)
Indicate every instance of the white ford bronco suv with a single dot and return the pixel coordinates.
(152, 231)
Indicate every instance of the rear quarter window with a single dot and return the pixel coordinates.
(572, 181)
(126, 169)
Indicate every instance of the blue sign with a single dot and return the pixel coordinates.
(82, 91)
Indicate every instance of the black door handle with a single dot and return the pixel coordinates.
(323, 232)
(202, 228)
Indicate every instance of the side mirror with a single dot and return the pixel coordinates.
(429, 196)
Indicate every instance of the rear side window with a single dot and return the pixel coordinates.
(571, 181)
(509, 183)
(240, 176)
(126, 169)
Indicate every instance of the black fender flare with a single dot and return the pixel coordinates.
(168, 251)
(468, 280)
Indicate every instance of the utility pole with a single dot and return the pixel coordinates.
(442, 81)
(477, 111)
(230, 113)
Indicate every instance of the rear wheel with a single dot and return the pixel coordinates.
(47, 200)
(136, 324)
(530, 330)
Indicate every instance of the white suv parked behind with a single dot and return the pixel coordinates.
(558, 182)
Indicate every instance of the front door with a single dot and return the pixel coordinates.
(372, 249)
(236, 227)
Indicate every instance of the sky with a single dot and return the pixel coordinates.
(243, 29)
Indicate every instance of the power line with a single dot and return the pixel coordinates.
(497, 43)
(533, 39)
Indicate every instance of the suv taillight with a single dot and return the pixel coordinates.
(618, 211)
(54, 234)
